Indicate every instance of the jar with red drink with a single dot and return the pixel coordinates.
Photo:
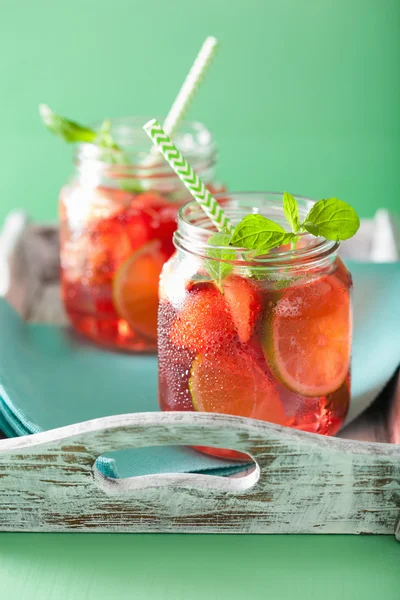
(117, 219)
(266, 337)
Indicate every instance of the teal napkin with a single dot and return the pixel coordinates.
(50, 378)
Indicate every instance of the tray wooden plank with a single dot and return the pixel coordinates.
(302, 483)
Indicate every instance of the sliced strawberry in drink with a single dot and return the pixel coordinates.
(135, 288)
(231, 382)
(204, 322)
(307, 336)
(106, 245)
(136, 226)
(160, 215)
(244, 304)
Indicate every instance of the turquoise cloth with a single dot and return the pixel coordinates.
(50, 378)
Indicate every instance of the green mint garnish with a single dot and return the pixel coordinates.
(104, 138)
(291, 211)
(201, 278)
(217, 268)
(67, 130)
(131, 185)
(73, 132)
(332, 219)
(258, 233)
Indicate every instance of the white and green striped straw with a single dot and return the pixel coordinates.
(187, 175)
(190, 85)
(185, 96)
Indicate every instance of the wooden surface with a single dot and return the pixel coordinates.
(302, 483)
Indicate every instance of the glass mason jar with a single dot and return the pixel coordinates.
(270, 339)
(117, 218)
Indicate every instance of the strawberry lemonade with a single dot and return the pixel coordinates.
(117, 218)
(266, 336)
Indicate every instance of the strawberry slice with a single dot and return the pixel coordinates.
(108, 244)
(160, 215)
(204, 323)
(244, 304)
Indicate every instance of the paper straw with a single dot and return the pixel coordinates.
(190, 85)
(186, 174)
(186, 93)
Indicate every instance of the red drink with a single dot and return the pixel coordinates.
(111, 266)
(271, 341)
(115, 240)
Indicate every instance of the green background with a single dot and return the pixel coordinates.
(304, 95)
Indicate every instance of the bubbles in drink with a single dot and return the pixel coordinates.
(280, 355)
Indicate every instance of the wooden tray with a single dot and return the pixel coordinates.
(301, 483)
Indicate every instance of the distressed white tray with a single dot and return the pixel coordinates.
(301, 483)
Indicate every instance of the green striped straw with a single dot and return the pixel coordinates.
(184, 98)
(189, 87)
(187, 175)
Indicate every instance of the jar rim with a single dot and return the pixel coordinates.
(192, 138)
(195, 228)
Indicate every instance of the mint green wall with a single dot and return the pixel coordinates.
(304, 94)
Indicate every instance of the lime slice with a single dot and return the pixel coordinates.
(233, 383)
(135, 289)
(307, 340)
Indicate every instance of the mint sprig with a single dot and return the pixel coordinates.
(72, 133)
(332, 219)
(68, 130)
(217, 268)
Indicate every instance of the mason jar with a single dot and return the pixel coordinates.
(117, 218)
(266, 337)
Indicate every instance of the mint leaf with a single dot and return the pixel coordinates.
(332, 219)
(115, 155)
(104, 138)
(64, 128)
(72, 132)
(291, 211)
(289, 237)
(256, 232)
(217, 269)
(131, 185)
(200, 278)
